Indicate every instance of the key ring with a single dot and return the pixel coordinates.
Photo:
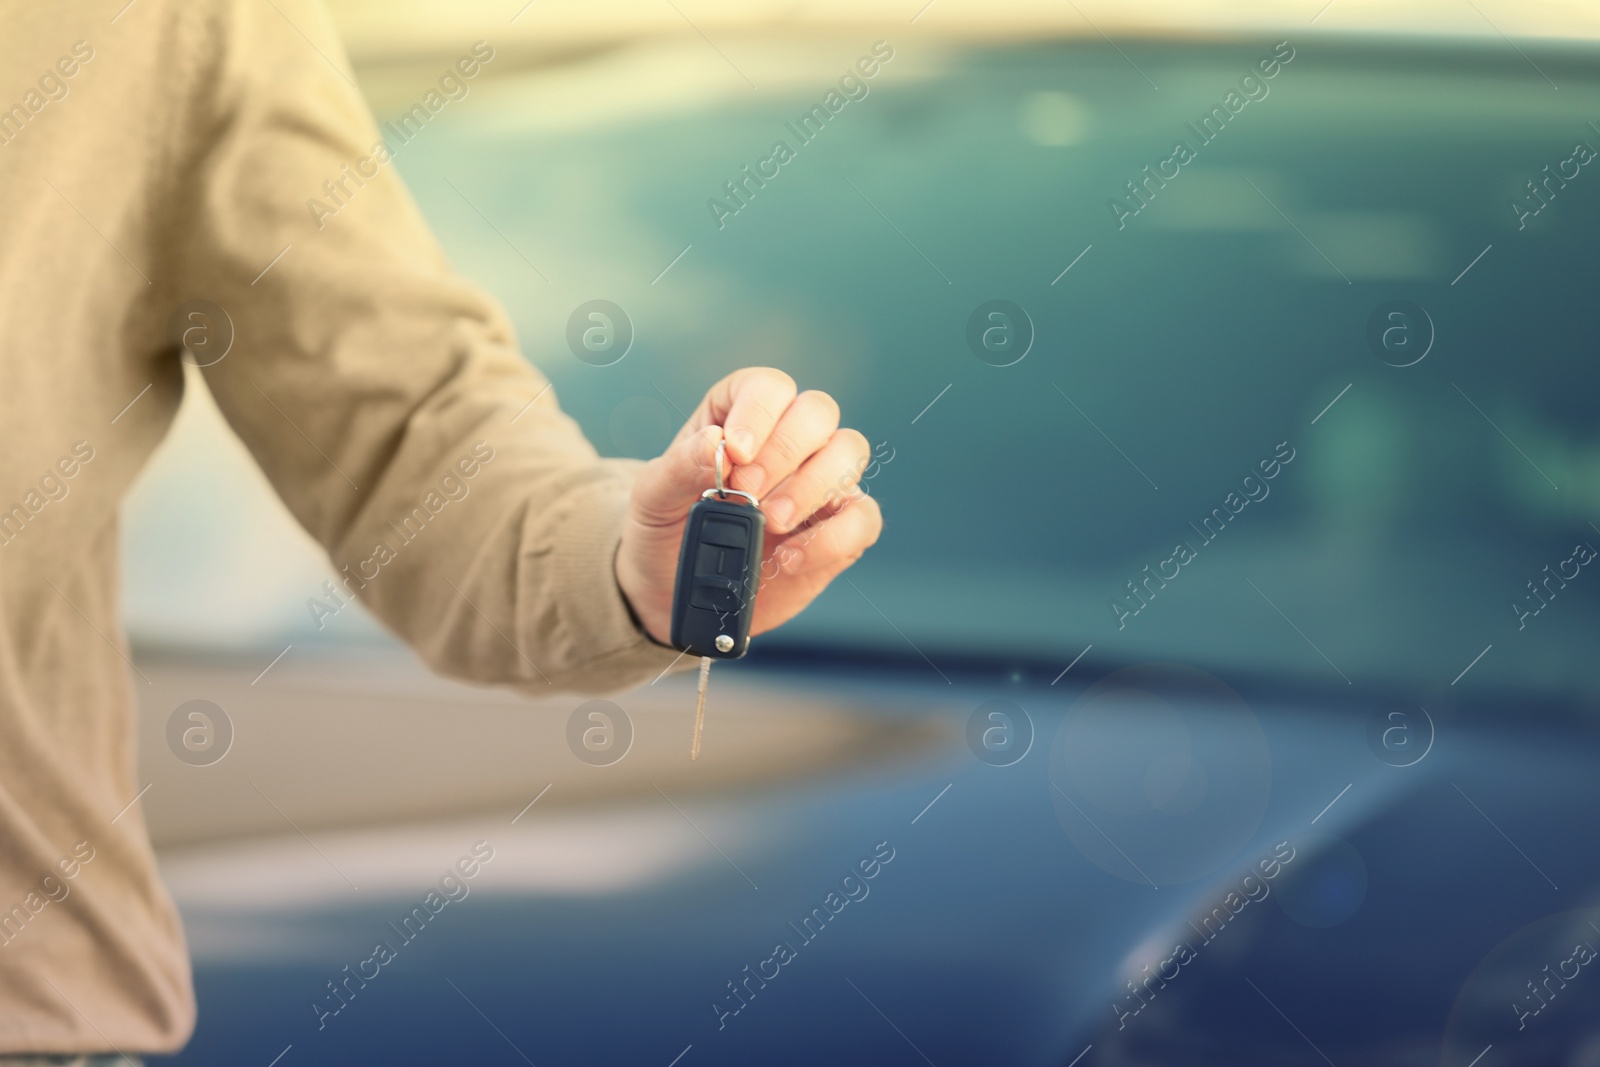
(721, 490)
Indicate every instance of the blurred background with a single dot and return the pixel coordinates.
(1342, 351)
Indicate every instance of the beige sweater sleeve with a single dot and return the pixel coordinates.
(382, 393)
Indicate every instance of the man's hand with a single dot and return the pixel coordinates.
(789, 452)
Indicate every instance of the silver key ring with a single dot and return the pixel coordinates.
(721, 490)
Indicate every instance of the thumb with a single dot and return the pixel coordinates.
(670, 484)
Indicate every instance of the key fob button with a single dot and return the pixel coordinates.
(720, 561)
(715, 594)
(722, 532)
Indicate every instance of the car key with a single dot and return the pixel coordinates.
(718, 574)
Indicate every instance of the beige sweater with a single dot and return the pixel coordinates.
(166, 152)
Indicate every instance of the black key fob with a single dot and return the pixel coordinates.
(719, 569)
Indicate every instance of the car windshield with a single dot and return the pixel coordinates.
(1248, 397)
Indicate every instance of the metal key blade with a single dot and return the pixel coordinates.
(700, 707)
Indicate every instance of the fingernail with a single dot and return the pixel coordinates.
(779, 512)
(743, 442)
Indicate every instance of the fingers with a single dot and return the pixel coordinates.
(782, 446)
(747, 404)
(759, 401)
(670, 484)
(807, 425)
(832, 544)
(831, 474)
